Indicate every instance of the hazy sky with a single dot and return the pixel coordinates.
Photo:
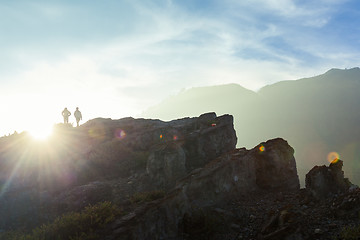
(116, 58)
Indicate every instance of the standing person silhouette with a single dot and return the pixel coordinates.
(78, 116)
(66, 115)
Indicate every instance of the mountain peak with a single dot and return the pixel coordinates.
(342, 71)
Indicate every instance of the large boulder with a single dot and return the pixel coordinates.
(275, 165)
(211, 137)
(323, 181)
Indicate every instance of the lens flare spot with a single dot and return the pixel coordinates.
(161, 136)
(120, 134)
(262, 148)
(333, 157)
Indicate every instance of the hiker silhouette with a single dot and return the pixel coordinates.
(65, 113)
(78, 116)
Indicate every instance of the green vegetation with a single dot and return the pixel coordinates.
(83, 225)
(147, 196)
(350, 233)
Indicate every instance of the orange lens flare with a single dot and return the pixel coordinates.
(333, 157)
(262, 148)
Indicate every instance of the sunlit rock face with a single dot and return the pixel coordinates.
(323, 181)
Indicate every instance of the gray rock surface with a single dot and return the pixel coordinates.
(166, 164)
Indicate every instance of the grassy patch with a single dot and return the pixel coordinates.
(73, 226)
(147, 196)
(350, 233)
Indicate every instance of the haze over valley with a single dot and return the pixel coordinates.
(319, 116)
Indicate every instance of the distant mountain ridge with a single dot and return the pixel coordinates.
(200, 99)
(317, 115)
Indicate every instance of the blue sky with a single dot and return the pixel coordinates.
(117, 58)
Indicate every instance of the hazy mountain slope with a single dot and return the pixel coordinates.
(322, 116)
(196, 101)
(224, 99)
(316, 115)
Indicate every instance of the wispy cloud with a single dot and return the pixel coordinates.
(120, 57)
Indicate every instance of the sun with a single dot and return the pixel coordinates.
(40, 132)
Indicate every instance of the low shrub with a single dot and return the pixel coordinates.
(82, 225)
(147, 196)
(350, 233)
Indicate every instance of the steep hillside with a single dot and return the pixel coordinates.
(317, 115)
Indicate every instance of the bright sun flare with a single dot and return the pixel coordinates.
(40, 133)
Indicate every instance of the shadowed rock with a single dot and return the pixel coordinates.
(235, 174)
(324, 181)
(275, 165)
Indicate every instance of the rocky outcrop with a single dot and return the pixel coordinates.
(213, 136)
(275, 165)
(242, 172)
(174, 148)
(73, 166)
(203, 137)
(192, 161)
(197, 142)
(119, 148)
(323, 181)
(228, 177)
